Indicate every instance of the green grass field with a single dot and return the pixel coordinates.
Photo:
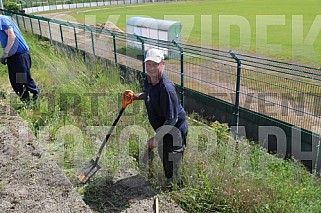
(287, 29)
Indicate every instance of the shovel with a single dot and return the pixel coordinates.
(86, 173)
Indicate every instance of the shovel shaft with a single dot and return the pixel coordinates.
(93, 167)
(108, 135)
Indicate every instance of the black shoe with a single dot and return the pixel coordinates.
(170, 184)
(26, 101)
(35, 97)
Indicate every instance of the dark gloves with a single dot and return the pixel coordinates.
(4, 58)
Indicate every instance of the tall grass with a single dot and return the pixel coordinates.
(77, 96)
(80, 99)
(225, 178)
(217, 177)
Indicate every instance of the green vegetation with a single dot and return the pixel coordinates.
(243, 179)
(9, 5)
(287, 30)
(217, 176)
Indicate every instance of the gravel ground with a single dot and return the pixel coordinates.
(31, 181)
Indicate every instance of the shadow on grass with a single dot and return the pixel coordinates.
(106, 195)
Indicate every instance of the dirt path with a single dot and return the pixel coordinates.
(128, 192)
(30, 180)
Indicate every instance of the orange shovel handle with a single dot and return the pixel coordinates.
(128, 98)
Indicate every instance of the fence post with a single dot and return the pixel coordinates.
(24, 23)
(143, 51)
(39, 27)
(61, 35)
(115, 47)
(17, 20)
(92, 41)
(31, 25)
(237, 91)
(49, 31)
(182, 70)
(318, 158)
(76, 42)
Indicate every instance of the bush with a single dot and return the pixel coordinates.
(11, 6)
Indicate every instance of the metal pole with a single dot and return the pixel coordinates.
(182, 71)
(76, 42)
(143, 51)
(49, 31)
(318, 158)
(61, 35)
(31, 25)
(237, 90)
(24, 23)
(92, 41)
(115, 48)
(17, 21)
(1, 5)
(39, 27)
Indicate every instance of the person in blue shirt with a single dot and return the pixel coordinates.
(16, 56)
(166, 116)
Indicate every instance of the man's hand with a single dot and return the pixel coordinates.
(151, 143)
(149, 152)
(4, 58)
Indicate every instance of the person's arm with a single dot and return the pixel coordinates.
(166, 128)
(139, 96)
(11, 40)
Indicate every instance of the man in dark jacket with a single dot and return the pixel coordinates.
(166, 115)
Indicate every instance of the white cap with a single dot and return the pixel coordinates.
(154, 55)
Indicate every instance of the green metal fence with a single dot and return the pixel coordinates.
(285, 93)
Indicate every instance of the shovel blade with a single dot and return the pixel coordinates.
(86, 173)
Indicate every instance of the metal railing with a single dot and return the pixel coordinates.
(286, 92)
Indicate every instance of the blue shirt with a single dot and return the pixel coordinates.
(20, 44)
(163, 104)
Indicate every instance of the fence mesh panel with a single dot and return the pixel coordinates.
(287, 92)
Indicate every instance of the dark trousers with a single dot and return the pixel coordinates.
(20, 77)
(172, 155)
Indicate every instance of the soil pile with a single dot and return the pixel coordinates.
(30, 180)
